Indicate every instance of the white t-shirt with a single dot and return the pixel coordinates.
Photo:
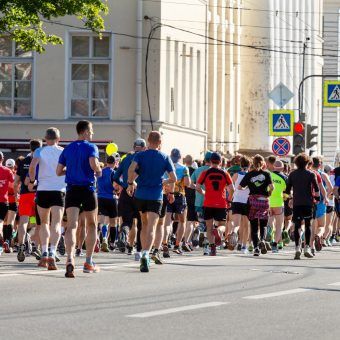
(240, 196)
(48, 161)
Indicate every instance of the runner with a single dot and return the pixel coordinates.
(26, 200)
(304, 183)
(179, 207)
(107, 201)
(151, 166)
(127, 206)
(239, 208)
(260, 187)
(276, 203)
(79, 162)
(6, 177)
(50, 196)
(9, 224)
(216, 182)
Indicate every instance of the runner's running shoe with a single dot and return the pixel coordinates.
(206, 251)
(145, 264)
(218, 239)
(280, 245)
(186, 248)
(97, 247)
(256, 252)
(104, 247)
(195, 238)
(156, 257)
(232, 241)
(318, 244)
(285, 237)
(166, 253)
(307, 252)
(268, 246)
(90, 268)
(138, 256)
(43, 262)
(69, 270)
(263, 248)
(297, 253)
(177, 250)
(79, 253)
(244, 250)
(21, 253)
(213, 250)
(51, 265)
(275, 249)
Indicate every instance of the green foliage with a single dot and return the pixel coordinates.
(25, 20)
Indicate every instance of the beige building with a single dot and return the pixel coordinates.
(193, 81)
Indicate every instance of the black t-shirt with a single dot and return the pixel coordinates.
(257, 182)
(303, 182)
(190, 193)
(22, 172)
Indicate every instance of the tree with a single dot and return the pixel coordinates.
(24, 20)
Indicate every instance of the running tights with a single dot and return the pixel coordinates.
(308, 231)
(7, 231)
(254, 225)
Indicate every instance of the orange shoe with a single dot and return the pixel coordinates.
(42, 262)
(90, 268)
(69, 270)
(51, 264)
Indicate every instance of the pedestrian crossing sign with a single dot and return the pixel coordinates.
(331, 93)
(281, 122)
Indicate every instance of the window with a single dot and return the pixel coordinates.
(90, 76)
(15, 80)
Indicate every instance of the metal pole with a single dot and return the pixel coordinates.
(303, 71)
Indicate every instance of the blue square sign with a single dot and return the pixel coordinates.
(281, 122)
(331, 93)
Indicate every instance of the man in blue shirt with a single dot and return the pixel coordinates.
(127, 205)
(79, 162)
(150, 166)
(107, 200)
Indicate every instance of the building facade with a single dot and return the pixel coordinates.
(279, 30)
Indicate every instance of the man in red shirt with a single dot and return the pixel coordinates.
(6, 177)
(216, 182)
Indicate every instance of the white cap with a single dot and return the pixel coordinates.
(194, 165)
(10, 163)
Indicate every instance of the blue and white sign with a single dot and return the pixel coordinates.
(331, 90)
(281, 122)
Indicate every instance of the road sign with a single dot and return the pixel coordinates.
(331, 93)
(281, 147)
(281, 122)
(281, 95)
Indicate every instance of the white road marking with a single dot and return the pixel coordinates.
(280, 293)
(334, 284)
(176, 310)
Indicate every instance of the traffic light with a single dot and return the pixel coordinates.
(311, 137)
(298, 138)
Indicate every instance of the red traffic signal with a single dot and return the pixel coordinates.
(299, 127)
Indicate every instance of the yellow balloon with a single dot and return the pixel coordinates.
(122, 158)
(111, 149)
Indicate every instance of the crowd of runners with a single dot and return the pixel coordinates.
(57, 202)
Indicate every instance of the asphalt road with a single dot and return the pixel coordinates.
(230, 296)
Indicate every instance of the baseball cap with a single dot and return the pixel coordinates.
(328, 168)
(10, 163)
(139, 142)
(215, 158)
(207, 156)
(175, 155)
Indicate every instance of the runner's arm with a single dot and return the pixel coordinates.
(230, 190)
(32, 169)
(329, 186)
(95, 166)
(61, 170)
(16, 185)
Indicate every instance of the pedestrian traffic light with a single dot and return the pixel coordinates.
(311, 138)
(298, 138)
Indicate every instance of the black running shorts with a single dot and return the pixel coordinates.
(216, 214)
(149, 206)
(77, 196)
(13, 207)
(127, 208)
(238, 208)
(3, 211)
(107, 207)
(48, 199)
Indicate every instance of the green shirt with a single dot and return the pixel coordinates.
(194, 178)
(279, 182)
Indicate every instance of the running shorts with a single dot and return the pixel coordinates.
(217, 214)
(77, 196)
(288, 211)
(238, 208)
(108, 207)
(329, 209)
(149, 206)
(164, 207)
(13, 207)
(48, 199)
(127, 208)
(320, 210)
(302, 212)
(3, 211)
(178, 206)
(27, 204)
(192, 214)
